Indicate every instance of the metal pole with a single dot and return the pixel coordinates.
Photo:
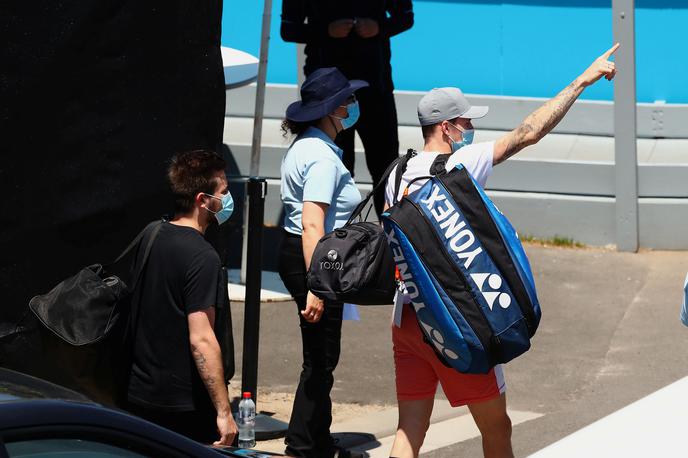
(256, 190)
(300, 63)
(260, 89)
(258, 116)
(625, 148)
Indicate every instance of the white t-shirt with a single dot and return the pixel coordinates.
(476, 158)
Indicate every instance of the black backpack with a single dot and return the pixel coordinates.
(354, 263)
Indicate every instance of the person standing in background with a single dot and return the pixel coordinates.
(354, 37)
(319, 195)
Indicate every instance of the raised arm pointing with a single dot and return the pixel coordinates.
(542, 121)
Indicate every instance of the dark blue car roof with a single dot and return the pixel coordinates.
(15, 386)
(29, 402)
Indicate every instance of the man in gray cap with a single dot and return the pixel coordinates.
(445, 117)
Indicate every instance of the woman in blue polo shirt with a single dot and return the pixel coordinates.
(319, 195)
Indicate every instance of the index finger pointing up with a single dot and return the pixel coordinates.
(611, 51)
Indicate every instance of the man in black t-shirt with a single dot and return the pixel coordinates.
(177, 378)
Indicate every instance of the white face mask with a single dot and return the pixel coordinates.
(354, 113)
(227, 209)
(466, 137)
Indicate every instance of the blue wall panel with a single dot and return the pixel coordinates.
(519, 48)
(662, 51)
(545, 48)
(450, 45)
(241, 29)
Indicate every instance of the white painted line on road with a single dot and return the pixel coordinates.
(442, 434)
(653, 426)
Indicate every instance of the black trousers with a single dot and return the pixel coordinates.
(198, 425)
(377, 127)
(311, 416)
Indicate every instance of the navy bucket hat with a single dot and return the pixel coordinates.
(323, 91)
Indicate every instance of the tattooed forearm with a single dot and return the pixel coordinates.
(517, 141)
(554, 110)
(202, 366)
(207, 356)
(211, 373)
(540, 122)
(545, 118)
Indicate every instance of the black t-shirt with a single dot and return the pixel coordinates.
(183, 275)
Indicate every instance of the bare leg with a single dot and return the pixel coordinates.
(495, 426)
(414, 421)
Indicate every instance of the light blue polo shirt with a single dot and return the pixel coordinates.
(313, 171)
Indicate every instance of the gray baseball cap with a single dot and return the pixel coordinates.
(445, 103)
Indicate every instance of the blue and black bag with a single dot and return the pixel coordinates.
(465, 270)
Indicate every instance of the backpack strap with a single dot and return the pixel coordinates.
(401, 163)
(400, 173)
(438, 167)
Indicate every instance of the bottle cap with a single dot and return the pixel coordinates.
(247, 394)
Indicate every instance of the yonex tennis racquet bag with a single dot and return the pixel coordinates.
(466, 272)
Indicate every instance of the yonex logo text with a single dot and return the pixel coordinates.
(412, 290)
(461, 238)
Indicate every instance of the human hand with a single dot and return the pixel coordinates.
(366, 27)
(340, 28)
(314, 308)
(227, 429)
(602, 66)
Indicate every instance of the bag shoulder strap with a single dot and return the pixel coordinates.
(129, 339)
(401, 162)
(136, 240)
(400, 173)
(439, 165)
(154, 229)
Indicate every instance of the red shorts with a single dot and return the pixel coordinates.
(418, 369)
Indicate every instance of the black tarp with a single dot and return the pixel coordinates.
(95, 97)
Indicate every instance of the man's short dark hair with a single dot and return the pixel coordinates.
(192, 172)
(429, 130)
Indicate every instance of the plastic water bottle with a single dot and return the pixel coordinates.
(247, 421)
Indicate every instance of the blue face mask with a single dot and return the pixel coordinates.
(466, 138)
(354, 113)
(227, 207)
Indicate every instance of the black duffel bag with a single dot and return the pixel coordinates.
(84, 324)
(354, 263)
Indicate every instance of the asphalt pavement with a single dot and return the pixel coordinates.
(609, 335)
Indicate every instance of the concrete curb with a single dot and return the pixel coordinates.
(368, 429)
(363, 430)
